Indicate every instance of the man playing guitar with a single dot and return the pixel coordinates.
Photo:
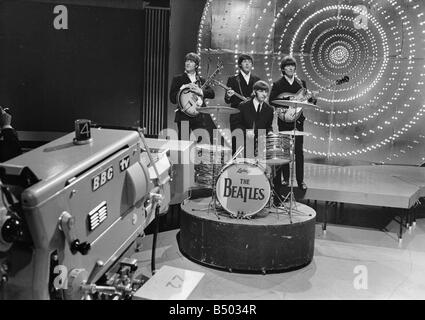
(289, 83)
(190, 79)
(242, 82)
(240, 86)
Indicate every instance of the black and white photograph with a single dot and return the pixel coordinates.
(229, 152)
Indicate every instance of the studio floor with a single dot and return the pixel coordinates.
(363, 244)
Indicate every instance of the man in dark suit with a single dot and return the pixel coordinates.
(289, 83)
(242, 84)
(191, 79)
(9, 145)
(254, 115)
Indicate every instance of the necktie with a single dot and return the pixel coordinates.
(257, 119)
(259, 110)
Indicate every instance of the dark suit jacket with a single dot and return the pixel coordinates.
(246, 117)
(176, 83)
(233, 82)
(280, 86)
(9, 146)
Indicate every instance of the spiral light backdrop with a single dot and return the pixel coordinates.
(378, 116)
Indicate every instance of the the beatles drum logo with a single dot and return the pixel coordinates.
(243, 189)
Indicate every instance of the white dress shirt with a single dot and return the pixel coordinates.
(246, 76)
(256, 104)
(290, 80)
(192, 77)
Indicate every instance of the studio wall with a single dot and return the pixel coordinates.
(379, 115)
(51, 77)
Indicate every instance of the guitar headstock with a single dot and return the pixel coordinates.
(342, 80)
(219, 66)
(216, 71)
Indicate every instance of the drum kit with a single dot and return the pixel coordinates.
(243, 187)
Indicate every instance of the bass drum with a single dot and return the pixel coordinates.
(243, 188)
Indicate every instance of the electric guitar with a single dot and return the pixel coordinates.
(189, 101)
(291, 113)
(303, 94)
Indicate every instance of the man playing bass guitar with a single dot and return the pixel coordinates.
(240, 85)
(191, 79)
(242, 82)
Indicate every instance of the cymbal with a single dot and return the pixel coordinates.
(218, 109)
(213, 147)
(295, 133)
(293, 103)
(276, 161)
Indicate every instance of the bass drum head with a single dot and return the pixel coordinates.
(243, 189)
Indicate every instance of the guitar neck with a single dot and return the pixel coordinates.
(227, 88)
(210, 78)
(306, 94)
(336, 83)
(309, 94)
(326, 88)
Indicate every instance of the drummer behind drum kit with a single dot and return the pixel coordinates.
(243, 187)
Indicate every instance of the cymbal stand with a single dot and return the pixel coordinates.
(214, 195)
(290, 195)
(292, 201)
(274, 194)
(213, 201)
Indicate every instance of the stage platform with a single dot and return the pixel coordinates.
(390, 186)
(271, 241)
(394, 272)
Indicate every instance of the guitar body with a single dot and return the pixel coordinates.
(301, 95)
(189, 102)
(291, 114)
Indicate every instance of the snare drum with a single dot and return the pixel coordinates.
(277, 149)
(243, 188)
(209, 160)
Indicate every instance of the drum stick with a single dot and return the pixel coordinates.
(237, 153)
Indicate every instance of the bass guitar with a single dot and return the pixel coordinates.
(228, 88)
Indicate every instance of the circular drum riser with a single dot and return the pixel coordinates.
(264, 244)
